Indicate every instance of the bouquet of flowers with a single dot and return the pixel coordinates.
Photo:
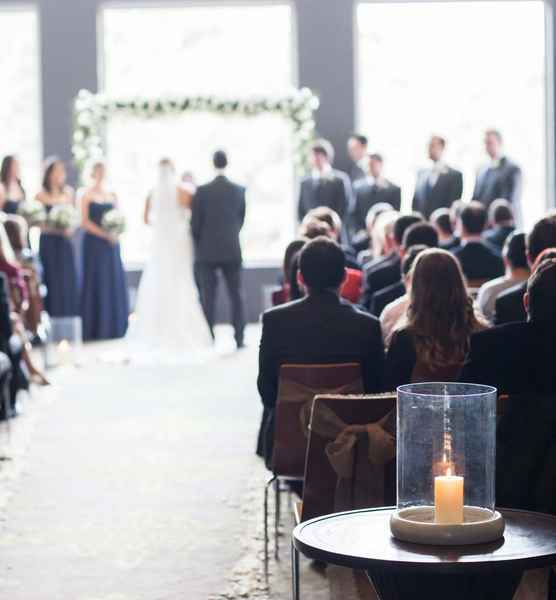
(63, 217)
(33, 212)
(113, 222)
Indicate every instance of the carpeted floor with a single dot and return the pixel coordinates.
(134, 483)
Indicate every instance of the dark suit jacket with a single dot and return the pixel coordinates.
(383, 297)
(356, 173)
(366, 196)
(478, 261)
(333, 191)
(320, 328)
(509, 305)
(496, 237)
(378, 275)
(526, 453)
(447, 189)
(514, 358)
(504, 181)
(218, 214)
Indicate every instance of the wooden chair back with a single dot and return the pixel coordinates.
(298, 385)
(357, 471)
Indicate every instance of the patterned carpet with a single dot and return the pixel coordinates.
(133, 483)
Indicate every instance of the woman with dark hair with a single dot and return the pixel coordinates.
(11, 189)
(284, 294)
(104, 301)
(432, 341)
(56, 249)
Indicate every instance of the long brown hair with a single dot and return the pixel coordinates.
(440, 315)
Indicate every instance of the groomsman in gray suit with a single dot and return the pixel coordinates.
(325, 186)
(439, 185)
(218, 214)
(500, 178)
(373, 189)
(357, 150)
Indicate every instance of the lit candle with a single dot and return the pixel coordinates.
(64, 352)
(448, 498)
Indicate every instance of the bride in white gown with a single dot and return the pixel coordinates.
(169, 325)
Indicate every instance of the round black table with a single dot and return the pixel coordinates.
(362, 540)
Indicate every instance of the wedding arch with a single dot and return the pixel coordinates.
(92, 112)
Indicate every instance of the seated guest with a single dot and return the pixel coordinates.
(519, 357)
(333, 220)
(509, 304)
(394, 312)
(325, 186)
(517, 271)
(371, 247)
(478, 261)
(283, 295)
(418, 234)
(386, 270)
(501, 224)
(372, 190)
(320, 328)
(353, 283)
(433, 342)
(441, 220)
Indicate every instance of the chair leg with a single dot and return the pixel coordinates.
(277, 511)
(295, 573)
(268, 484)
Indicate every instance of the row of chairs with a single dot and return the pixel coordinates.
(315, 404)
(342, 467)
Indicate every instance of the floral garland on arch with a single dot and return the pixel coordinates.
(92, 111)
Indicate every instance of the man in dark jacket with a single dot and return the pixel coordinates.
(500, 178)
(218, 214)
(318, 329)
(438, 186)
(518, 357)
(479, 261)
(509, 304)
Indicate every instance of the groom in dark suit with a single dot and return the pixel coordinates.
(218, 214)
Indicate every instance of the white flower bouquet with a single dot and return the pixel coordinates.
(63, 217)
(113, 222)
(33, 212)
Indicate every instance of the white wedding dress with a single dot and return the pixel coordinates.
(169, 325)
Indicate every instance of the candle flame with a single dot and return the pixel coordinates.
(448, 471)
(64, 345)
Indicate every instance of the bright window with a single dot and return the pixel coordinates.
(456, 69)
(20, 120)
(237, 51)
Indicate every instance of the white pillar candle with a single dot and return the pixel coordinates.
(448, 499)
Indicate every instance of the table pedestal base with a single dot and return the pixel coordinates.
(485, 586)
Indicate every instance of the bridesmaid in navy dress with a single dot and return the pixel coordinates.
(11, 189)
(56, 249)
(105, 303)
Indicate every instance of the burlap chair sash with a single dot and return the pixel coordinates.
(293, 414)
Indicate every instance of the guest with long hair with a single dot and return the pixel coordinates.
(104, 303)
(433, 340)
(11, 188)
(56, 248)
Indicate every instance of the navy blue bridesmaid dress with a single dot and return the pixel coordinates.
(105, 302)
(59, 268)
(11, 207)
